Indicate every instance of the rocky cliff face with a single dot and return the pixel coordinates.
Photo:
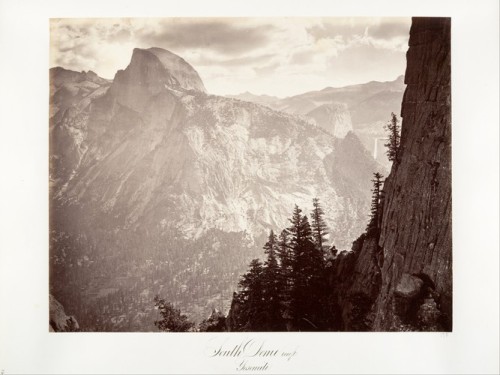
(364, 109)
(71, 95)
(160, 151)
(403, 281)
(334, 118)
(58, 320)
(416, 225)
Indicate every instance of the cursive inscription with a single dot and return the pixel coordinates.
(252, 355)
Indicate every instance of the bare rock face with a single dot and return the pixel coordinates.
(184, 74)
(416, 224)
(403, 282)
(355, 278)
(334, 118)
(71, 95)
(58, 320)
(409, 286)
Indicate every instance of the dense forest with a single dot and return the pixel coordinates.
(288, 290)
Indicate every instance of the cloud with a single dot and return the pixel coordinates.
(120, 35)
(330, 29)
(102, 45)
(366, 62)
(228, 37)
(301, 58)
(276, 56)
(385, 33)
(266, 69)
(389, 30)
(232, 62)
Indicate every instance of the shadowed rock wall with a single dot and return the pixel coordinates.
(405, 281)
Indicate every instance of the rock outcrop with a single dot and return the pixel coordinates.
(416, 224)
(401, 278)
(334, 118)
(58, 320)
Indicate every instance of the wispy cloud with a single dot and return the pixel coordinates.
(278, 56)
(222, 36)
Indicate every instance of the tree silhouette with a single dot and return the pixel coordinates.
(272, 287)
(251, 297)
(307, 265)
(394, 138)
(319, 227)
(289, 290)
(216, 322)
(285, 256)
(172, 319)
(373, 225)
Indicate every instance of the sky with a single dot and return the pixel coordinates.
(273, 56)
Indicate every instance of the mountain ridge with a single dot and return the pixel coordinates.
(148, 167)
(368, 108)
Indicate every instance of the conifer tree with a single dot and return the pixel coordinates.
(285, 256)
(251, 297)
(271, 250)
(307, 265)
(300, 230)
(172, 319)
(394, 138)
(319, 227)
(284, 252)
(373, 224)
(272, 286)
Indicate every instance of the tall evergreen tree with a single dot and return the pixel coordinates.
(319, 227)
(284, 251)
(285, 257)
(272, 287)
(251, 297)
(373, 224)
(307, 265)
(394, 138)
(271, 250)
(300, 230)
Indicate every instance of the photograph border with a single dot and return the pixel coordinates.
(26, 346)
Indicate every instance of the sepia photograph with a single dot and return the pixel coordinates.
(205, 179)
(264, 187)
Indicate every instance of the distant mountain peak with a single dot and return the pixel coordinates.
(333, 117)
(187, 76)
(158, 66)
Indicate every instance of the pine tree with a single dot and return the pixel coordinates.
(251, 297)
(285, 257)
(272, 287)
(271, 250)
(394, 140)
(307, 266)
(172, 319)
(319, 227)
(300, 230)
(373, 225)
(284, 253)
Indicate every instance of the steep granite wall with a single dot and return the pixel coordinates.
(403, 282)
(416, 290)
